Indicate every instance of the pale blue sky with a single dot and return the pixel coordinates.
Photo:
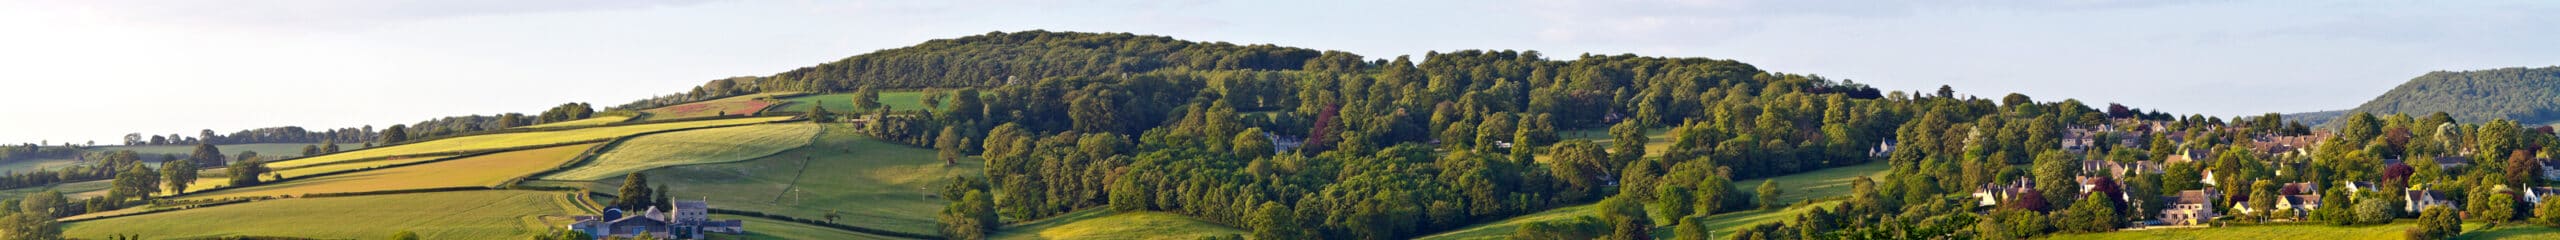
(95, 70)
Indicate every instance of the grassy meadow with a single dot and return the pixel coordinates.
(496, 214)
(507, 140)
(874, 184)
(843, 102)
(591, 121)
(483, 170)
(699, 146)
(761, 229)
(30, 165)
(1824, 186)
(732, 106)
(1106, 224)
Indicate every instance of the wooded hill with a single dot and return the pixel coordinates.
(2526, 95)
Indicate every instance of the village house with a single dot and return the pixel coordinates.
(2550, 169)
(2354, 187)
(2452, 162)
(687, 220)
(1882, 149)
(2420, 200)
(1992, 194)
(2189, 207)
(2535, 195)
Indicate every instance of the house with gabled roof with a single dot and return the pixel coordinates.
(2189, 207)
(686, 219)
(2420, 200)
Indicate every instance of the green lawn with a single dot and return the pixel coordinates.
(874, 184)
(483, 170)
(270, 150)
(441, 215)
(1105, 224)
(843, 102)
(1818, 184)
(2513, 231)
(760, 228)
(716, 145)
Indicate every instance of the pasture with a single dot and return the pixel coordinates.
(482, 170)
(1824, 186)
(270, 150)
(843, 102)
(495, 214)
(760, 229)
(874, 184)
(458, 145)
(1106, 224)
(746, 105)
(716, 145)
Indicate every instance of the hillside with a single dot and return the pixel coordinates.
(2527, 95)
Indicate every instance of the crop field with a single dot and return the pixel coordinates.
(737, 106)
(1105, 224)
(496, 214)
(1821, 185)
(872, 183)
(843, 102)
(716, 145)
(507, 140)
(483, 170)
(760, 228)
(591, 121)
(270, 150)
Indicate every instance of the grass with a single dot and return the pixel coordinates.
(30, 165)
(68, 189)
(760, 228)
(272, 150)
(1105, 224)
(504, 214)
(592, 121)
(506, 140)
(2309, 231)
(483, 170)
(745, 105)
(843, 102)
(1818, 184)
(2513, 231)
(700, 146)
(873, 183)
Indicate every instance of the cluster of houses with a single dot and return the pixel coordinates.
(2197, 206)
(687, 220)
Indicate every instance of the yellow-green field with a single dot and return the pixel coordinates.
(67, 189)
(508, 140)
(717, 145)
(874, 184)
(591, 121)
(496, 214)
(30, 165)
(1105, 224)
(735, 106)
(483, 170)
(1816, 185)
(760, 229)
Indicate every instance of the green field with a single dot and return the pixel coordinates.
(760, 228)
(442, 215)
(483, 170)
(592, 121)
(843, 102)
(731, 106)
(30, 165)
(717, 145)
(270, 150)
(1105, 224)
(1815, 185)
(507, 140)
(874, 184)
(67, 189)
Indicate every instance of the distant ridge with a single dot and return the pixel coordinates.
(2526, 95)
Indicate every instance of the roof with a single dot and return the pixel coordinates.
(2303, 199)
(2194, 197)
(2300, 188)
(692, 204)
(2450, 160)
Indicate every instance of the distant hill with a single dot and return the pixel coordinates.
(2315, 118)
(2527, 95)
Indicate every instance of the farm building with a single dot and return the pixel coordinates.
(688, 220)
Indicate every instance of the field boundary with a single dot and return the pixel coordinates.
(592, 154)
(635, 120)
(814, 222)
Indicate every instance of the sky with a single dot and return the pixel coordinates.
(94, 70)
